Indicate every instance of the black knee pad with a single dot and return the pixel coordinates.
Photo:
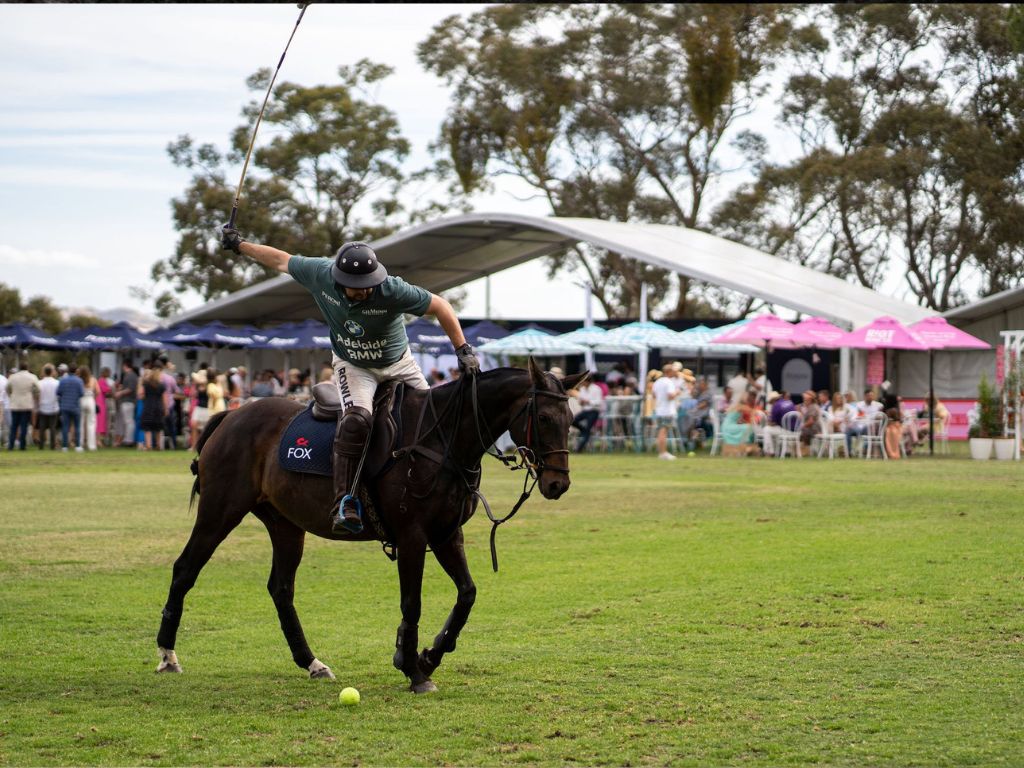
(353, 429)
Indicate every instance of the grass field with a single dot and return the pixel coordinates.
(707, 611)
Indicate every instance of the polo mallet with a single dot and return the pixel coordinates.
(252, 141)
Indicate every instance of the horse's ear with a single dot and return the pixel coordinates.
(536, 374)
(575, 380)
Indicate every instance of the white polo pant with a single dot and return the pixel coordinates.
(356, 385)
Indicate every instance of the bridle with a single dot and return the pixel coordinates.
(525, 456)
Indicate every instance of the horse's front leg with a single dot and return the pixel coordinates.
(410, 577)
(452, 557)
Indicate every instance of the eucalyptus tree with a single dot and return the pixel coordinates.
(328, 167)
(910, 161)
(621, 112)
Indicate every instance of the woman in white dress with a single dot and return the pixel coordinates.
(88, 406)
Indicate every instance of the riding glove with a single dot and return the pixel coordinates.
(468, 363)
(231, 240)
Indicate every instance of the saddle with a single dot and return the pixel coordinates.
(307, 445)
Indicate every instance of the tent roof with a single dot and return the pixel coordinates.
(448, 252)
(995, 304)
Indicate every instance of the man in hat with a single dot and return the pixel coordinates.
(364, 308)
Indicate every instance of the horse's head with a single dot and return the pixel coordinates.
(544, 429)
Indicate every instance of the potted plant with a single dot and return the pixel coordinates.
(988, 422)
(1003, 443)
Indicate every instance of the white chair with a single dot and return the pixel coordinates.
(791, 425)
(760, 420)
(874, 435)
(716, 425)
(830, 437)
(941, 436)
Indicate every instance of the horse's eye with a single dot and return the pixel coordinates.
(545, 419)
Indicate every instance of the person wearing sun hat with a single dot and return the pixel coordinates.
(364, 308)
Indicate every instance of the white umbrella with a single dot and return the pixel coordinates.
(595, 338)
(532, 342)
(699, 339)
(645, 335)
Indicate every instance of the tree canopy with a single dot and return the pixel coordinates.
(620, 112)
(903, 171)
(908, 120)
(327, 169)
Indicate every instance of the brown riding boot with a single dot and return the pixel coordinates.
(349, 443)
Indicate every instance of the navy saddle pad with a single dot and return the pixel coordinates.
(307, 445)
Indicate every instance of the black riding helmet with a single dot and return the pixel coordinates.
(357, 266)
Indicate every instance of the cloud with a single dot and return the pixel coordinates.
(18, 257)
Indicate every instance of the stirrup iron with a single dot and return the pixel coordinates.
(350, 525)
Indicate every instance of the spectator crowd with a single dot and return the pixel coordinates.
(151, 407)
(155, 407)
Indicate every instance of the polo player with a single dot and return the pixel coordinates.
(363, 307)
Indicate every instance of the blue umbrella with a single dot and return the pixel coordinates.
(22, 335)
(74, 338)
(483, 332)
(182, 335)
(425, 336)
(307, 335)
(118, 336)
(218, 335)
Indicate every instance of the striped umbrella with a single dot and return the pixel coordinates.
(645, 335)
(700, 338)
(595, 338)
(532, 341)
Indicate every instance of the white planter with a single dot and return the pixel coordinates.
(981, 447)
(1004, 448)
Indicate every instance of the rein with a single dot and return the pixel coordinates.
(524, 457)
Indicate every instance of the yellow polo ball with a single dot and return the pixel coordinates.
(349, 697)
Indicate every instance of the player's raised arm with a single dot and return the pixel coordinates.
(274, 258)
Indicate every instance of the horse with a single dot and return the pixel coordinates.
(238, 473)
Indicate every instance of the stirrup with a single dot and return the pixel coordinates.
(340, 521)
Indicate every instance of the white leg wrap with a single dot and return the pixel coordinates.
(168, 661)
(320, 670)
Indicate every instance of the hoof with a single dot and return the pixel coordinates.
(168, 662)
(427, 686)
(320, 671)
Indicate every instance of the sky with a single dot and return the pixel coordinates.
(94, 93)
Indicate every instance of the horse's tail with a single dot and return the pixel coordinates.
(211, 425)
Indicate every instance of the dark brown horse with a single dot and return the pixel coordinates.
(238, 473)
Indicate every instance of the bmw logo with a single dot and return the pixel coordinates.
(354, 328)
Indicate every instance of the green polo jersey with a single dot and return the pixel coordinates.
(371, 333)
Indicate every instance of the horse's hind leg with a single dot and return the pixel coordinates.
(212, 526)
(452, 557)
(288, 540)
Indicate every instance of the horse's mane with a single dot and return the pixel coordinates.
(493, 373)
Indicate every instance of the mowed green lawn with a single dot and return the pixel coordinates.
(705, 611)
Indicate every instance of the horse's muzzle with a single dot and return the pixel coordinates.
(553, 484)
